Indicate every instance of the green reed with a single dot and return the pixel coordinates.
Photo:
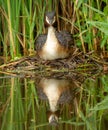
(22, 21)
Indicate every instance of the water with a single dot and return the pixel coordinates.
(57, 102)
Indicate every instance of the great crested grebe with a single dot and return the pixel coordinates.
(53, 45)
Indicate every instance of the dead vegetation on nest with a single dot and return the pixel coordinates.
(79, 61)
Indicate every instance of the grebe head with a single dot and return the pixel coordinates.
(50, 18)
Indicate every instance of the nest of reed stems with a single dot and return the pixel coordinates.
(77, 62)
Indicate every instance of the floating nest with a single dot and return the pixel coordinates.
(78, 62)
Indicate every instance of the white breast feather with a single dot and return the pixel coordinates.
(51, 44)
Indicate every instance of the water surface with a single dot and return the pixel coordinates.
(54, 102)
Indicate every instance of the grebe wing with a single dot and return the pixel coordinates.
(65, 38)
(40, 41)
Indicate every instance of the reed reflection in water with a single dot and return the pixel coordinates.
(36, 102)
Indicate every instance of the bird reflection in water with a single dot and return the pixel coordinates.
(56, 91)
